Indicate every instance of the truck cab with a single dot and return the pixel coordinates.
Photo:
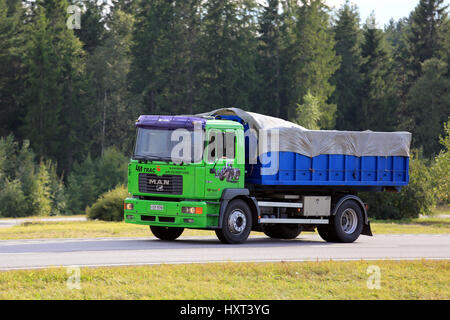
(172, 188)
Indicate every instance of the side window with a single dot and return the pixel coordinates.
(221, 145)
(211, 148)
(229, 147)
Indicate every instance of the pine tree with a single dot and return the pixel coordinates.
(92, 28)
(153, 52)
(229, 47)
(55, 87)
(17, 178)
(379, 102)
(347, 79)
(12, 199)
(25, 172)
(11, 66)
(57, 190)
(109, 65)
(395, 39)
(188, 31)
(41, 197)
(270, 53)
(81, 187)
(428, 104)
(426, 35)
(314, 60)
(43, 95)
(426, 46)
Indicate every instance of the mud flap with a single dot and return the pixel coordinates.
(366, 231)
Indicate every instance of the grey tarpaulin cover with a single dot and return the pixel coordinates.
(295, 138)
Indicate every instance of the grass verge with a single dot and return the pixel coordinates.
(230, 281)
(411, 226)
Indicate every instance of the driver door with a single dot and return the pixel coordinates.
(221, 169)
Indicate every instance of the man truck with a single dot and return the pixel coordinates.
(235, 172)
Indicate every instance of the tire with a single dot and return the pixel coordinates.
(326, 233)
(283, 231)
(237, 223)
(166, 233)
(346, 225)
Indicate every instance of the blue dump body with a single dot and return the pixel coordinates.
(333, 170)
(330, 170)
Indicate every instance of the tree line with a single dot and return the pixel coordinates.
(73, 94)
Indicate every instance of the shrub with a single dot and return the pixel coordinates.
(12, 200)
(27, 188)
(109, 207)
(416, 198)
(441, 169)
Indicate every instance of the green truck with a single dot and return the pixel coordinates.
(198, 172)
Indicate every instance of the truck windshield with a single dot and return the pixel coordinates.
(169, 145)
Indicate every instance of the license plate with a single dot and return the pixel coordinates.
(156, 207)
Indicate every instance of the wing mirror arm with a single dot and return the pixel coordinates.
(213, 170)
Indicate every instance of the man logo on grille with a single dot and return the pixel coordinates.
(160, 188)
(159, 182)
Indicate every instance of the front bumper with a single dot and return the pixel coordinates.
(169, 214)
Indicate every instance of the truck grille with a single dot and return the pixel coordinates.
(166, 184)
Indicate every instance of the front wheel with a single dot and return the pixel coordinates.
(166, 233)
(237, 223)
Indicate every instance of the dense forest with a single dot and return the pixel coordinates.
(70, 94)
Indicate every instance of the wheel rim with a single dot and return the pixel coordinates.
(237, 222)
(349, 221)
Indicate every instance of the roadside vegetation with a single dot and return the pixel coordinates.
(231, 281)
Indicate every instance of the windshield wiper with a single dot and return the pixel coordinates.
(148, 157)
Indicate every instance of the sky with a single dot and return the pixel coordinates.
(384, 9)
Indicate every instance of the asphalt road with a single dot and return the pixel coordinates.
(29, 254)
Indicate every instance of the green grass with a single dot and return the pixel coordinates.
(230, 281)
(411, 226)
(100, 229)
(37, 218)
(81, 229)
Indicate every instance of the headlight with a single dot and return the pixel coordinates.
(128, 206)
(192, 210)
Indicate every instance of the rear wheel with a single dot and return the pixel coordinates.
(346, 225)
(283, 231)
(166, 233)
(237, 223)
(326, 233)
